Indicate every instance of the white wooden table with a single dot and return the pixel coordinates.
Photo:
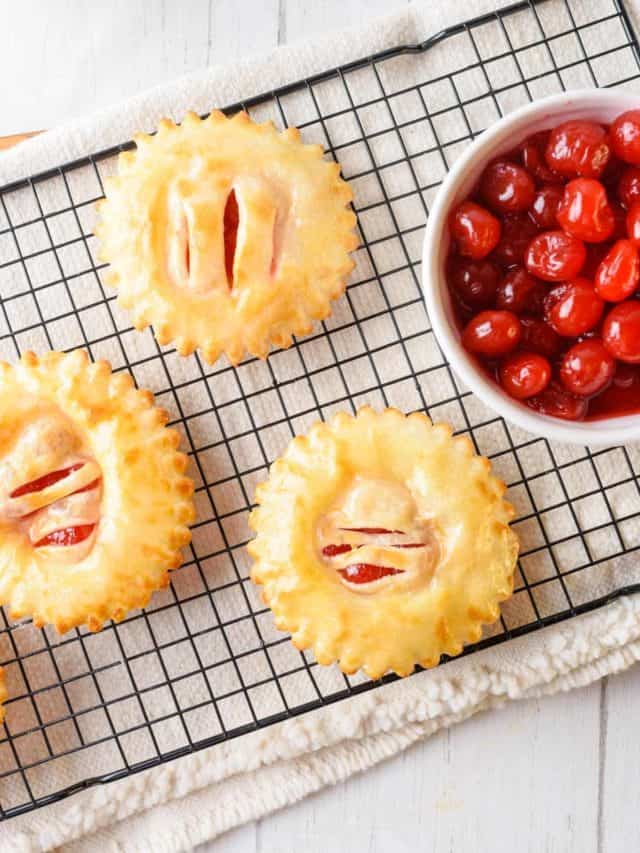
(560, 774)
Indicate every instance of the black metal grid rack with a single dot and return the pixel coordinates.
(203, 663)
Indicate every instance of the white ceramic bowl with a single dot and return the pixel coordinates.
(504, 135)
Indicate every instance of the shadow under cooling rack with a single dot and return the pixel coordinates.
(203, 663)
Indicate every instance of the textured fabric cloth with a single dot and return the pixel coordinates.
(190, 800)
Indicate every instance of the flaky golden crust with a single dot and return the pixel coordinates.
(399, 624)
(61, 407)
(161, 230)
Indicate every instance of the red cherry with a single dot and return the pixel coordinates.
(555, 256)
(587, 368)
(621, 331)
(475, 230)
(618, 275)
(612, 174)
(596, 253)
(66, 536)
(629, 187)
(620, 222)
(492, 333)
(517, 233)
(545, 206)
(633, 223)
(475, 282)
(538, 337)
(506, 187)
(625, 137)
(626, 375)
(519, 292)
(524, 374)
(578, 148)
(558, 403)
(573, 307)
(367, 572)
(533, 158)
(585, 212)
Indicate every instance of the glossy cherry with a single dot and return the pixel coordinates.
(539, 337)
(633, 223)
(578, 149)
(573, 307)
(475, 230)
(520, 292)
(555, 256)
(621, 331)
(474, 282)
(517, 233)
(533, 159)
(506, 187)
(612, 173)
(545, 206)
(584, 211)
(556, 402)
(620, 222)
(626, 375)
(618, 275)
(492, 333)
(625, 137)
(629, 187)
(524, 374)
(587, 368)
(596, 253)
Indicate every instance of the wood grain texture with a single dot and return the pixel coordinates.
(504, 780)
(559, 775)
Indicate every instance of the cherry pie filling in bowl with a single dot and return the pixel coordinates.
(544, 269)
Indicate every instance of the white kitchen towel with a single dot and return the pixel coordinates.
(193, 799)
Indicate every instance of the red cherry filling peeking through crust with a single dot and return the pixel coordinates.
(544, 269)
(43, 483)
(367, 572)
(65, 536)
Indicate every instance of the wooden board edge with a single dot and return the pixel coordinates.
(10, 141)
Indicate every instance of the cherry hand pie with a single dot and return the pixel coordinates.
(226, 235)
(382, 542)
(94, 504)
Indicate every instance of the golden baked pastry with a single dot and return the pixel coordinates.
(94, 504)
(382, 542)
(226, 235)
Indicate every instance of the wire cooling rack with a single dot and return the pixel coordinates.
(203, 663)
